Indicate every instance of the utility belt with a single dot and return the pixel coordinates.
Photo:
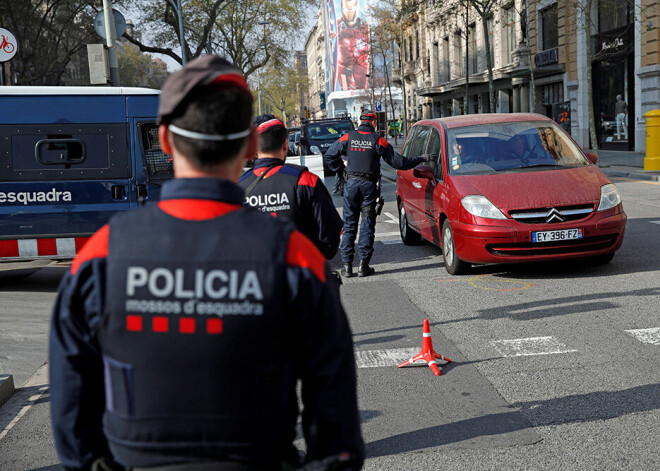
(367, 177)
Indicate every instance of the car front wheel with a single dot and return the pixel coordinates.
(453, 264)
(408, 235)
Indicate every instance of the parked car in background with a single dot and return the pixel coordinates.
(293, 142)
(316, 136)
(506, 188)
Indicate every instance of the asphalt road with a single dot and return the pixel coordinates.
(555, 366)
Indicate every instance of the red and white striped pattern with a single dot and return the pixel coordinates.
(30, 249)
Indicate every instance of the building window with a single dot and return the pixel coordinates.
(472, 41)
(549, 28)
(417, 45)
(510, 32)
(553, 93)
(458, 54)
(612, 15)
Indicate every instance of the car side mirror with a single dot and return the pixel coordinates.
(593, 157)
(424, 171)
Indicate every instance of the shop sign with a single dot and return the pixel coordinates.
(551, 56)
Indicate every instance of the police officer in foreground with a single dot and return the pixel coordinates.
(288, 190)
(362, 150)
(178, 346)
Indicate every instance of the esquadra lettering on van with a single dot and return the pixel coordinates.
(25, 197)
(270, 199)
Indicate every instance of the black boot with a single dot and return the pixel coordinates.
(347, 271)
(364, 269)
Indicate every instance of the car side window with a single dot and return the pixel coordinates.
(433, 147)
(418, 141)
(409, 142)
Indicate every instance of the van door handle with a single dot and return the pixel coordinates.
(118, 192)
(141, 191)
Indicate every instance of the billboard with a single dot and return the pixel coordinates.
(346, 45)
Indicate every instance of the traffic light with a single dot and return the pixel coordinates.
(322, 99)
(306, 112)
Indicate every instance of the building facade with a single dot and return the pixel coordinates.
(540, 61)
(315, 52)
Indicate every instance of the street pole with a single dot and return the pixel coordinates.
(262, 23)
(182, 40)
(111, 36)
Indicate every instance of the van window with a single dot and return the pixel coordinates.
(64, 152)
(158, 164)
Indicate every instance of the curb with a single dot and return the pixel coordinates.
(636, 175)
(6, 388)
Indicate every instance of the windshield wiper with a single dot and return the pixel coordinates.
(535, 165)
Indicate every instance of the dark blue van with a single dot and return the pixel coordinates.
(69, 158)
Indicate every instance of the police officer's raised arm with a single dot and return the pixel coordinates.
(324, 349)
(396, 160)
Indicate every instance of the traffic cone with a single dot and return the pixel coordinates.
(427, 353)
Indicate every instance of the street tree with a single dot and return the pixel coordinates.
(281, 89)
(50, 35)
(250, 33)
(137, 69)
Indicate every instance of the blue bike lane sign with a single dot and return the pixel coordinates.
(8, 45)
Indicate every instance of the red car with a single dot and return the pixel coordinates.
(506, 188)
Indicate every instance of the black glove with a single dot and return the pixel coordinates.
(429, 157)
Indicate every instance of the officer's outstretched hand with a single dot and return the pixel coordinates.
(429, 157)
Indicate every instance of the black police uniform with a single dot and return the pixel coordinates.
(363, 149)
(183, 342)
(294, 192)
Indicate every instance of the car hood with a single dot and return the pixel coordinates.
(535, 189)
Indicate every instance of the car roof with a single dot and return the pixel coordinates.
(484, 118)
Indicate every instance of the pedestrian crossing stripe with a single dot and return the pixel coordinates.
(530, 346)
(651, 336)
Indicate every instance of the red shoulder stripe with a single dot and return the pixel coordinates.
(308, 179)
(96, 247)
(364, 132)
(304, 254)
(383, 142)
(196, 210)
(260, 170)
(343, 138)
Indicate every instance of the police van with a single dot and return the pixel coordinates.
(70, 157)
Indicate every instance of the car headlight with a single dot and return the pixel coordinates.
(609, 197)
(315, 150)
(481, 206)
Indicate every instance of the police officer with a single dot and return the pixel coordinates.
(363, 149)
(182, 328)
(289, 190)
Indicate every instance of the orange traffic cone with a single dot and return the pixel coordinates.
(427, 353)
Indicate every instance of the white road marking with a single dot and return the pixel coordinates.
(16, 407)
(654, 222)
(392, 242)
(651, 336)
(387, 234)
(389, 357)
(530, 346)
(392, 219)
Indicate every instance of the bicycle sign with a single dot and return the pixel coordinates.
(7, 45)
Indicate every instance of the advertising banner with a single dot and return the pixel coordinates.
(347, 44)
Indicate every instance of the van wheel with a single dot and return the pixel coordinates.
(453, 264)
(408, 235)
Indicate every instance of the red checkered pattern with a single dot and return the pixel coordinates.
(30, 249)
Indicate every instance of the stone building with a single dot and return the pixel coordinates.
(538, 50)
(315, 52)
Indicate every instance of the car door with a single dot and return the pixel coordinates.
(424, 197)
(404, 177)
(416, 186)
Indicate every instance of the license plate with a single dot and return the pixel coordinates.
(552, 236)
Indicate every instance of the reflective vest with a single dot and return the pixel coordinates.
(195, 338)
(362, 160)
(274, 194)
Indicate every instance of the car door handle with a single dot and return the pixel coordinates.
(417, 185)
(118, 192)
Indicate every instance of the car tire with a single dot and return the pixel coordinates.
(453, 264)
(408, 234)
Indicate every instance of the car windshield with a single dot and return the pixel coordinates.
(504, 147)
(328, 130)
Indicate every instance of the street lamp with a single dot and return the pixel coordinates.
(262, 23)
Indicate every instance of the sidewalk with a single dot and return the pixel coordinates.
(612, 163)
